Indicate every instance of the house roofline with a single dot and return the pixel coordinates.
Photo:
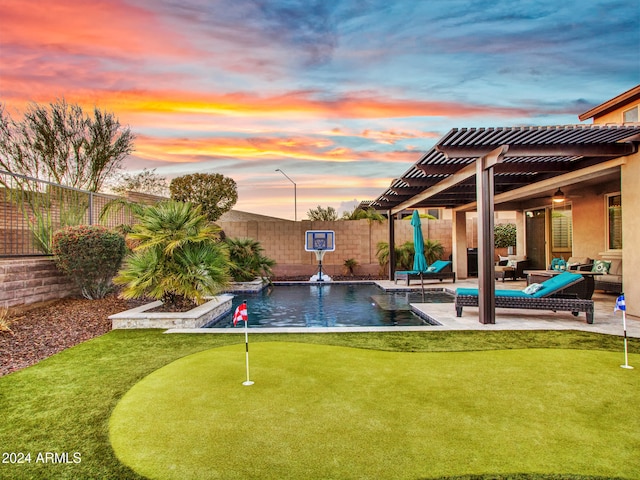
(628, 96)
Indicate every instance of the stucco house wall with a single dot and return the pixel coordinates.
(610, 112)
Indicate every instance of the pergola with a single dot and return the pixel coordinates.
(477, 168)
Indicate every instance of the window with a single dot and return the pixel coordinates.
(630, 116)
(434, 212)
(614, 223)
(561, 229)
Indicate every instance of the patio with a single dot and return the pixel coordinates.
(605, 320)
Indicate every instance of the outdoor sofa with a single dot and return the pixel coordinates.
(611, 279)
(550, 295)
(511, 267)
(438, 270)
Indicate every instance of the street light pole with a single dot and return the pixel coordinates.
(295, 195)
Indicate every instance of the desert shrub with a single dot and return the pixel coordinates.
(91, 255)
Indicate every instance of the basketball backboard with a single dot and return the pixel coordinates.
(320, 240)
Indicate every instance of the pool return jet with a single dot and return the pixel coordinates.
(320, 242)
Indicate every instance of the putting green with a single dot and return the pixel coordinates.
(320, 411)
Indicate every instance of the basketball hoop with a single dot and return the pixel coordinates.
(320, 242)
(319, 254)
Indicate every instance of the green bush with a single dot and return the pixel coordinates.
(504, 235)
(215, 193)
(246, 260)
(91, 255)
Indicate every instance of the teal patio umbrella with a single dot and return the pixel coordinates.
(419, 260)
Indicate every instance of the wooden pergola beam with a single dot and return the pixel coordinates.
(551, 150)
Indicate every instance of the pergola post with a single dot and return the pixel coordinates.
(486, 269)
(392, 243)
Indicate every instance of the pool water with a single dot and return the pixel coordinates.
(331, 305)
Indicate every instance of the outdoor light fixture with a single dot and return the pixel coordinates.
(558, 197)
(295, 196)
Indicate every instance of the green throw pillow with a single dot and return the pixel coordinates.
(601, 266)
(533, 288)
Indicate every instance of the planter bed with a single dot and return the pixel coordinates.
(140, 317)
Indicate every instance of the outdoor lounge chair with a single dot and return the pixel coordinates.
(438, 270)
(551, 295)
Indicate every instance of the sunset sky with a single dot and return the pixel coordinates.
(343, 96)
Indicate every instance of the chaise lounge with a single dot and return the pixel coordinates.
(438, 270)
(548, 295)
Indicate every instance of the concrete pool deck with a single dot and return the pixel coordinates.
(605, 321)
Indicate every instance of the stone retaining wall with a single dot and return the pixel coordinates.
(25, 281)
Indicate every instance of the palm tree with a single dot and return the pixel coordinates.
(247, 260)
(178, 258)
(369, 214)
(433, 250)
(404, 256)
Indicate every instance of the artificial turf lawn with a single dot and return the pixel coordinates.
(320, 411)
(63, 404)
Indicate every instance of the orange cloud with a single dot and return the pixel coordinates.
(183, 150)
(298, 104)
(292, 105)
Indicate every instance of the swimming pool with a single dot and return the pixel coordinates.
(331, 305)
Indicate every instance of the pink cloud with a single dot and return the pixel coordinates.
(111, 28)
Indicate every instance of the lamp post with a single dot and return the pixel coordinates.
(295, 196)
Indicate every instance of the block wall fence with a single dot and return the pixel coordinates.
(283, 241)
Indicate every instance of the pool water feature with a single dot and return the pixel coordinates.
(331, 305)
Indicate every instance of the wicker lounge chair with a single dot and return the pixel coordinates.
(551, 296)
(438, 270)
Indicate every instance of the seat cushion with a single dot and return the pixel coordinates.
(438, 266)
(615, 268)
(473, 292)
(556, 283)
(609, 278)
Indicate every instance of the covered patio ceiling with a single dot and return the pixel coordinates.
(536, 161)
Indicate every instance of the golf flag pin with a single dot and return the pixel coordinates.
(241, 315)
(622, 306)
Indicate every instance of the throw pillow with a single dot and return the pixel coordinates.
(512, 263)
(601, 266)
(533, 288)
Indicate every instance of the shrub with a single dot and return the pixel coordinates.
(433, 250)
(504, 235)
(5, 323)
(91, 255)
(247, 260)
(403, 253)
(350, 265)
